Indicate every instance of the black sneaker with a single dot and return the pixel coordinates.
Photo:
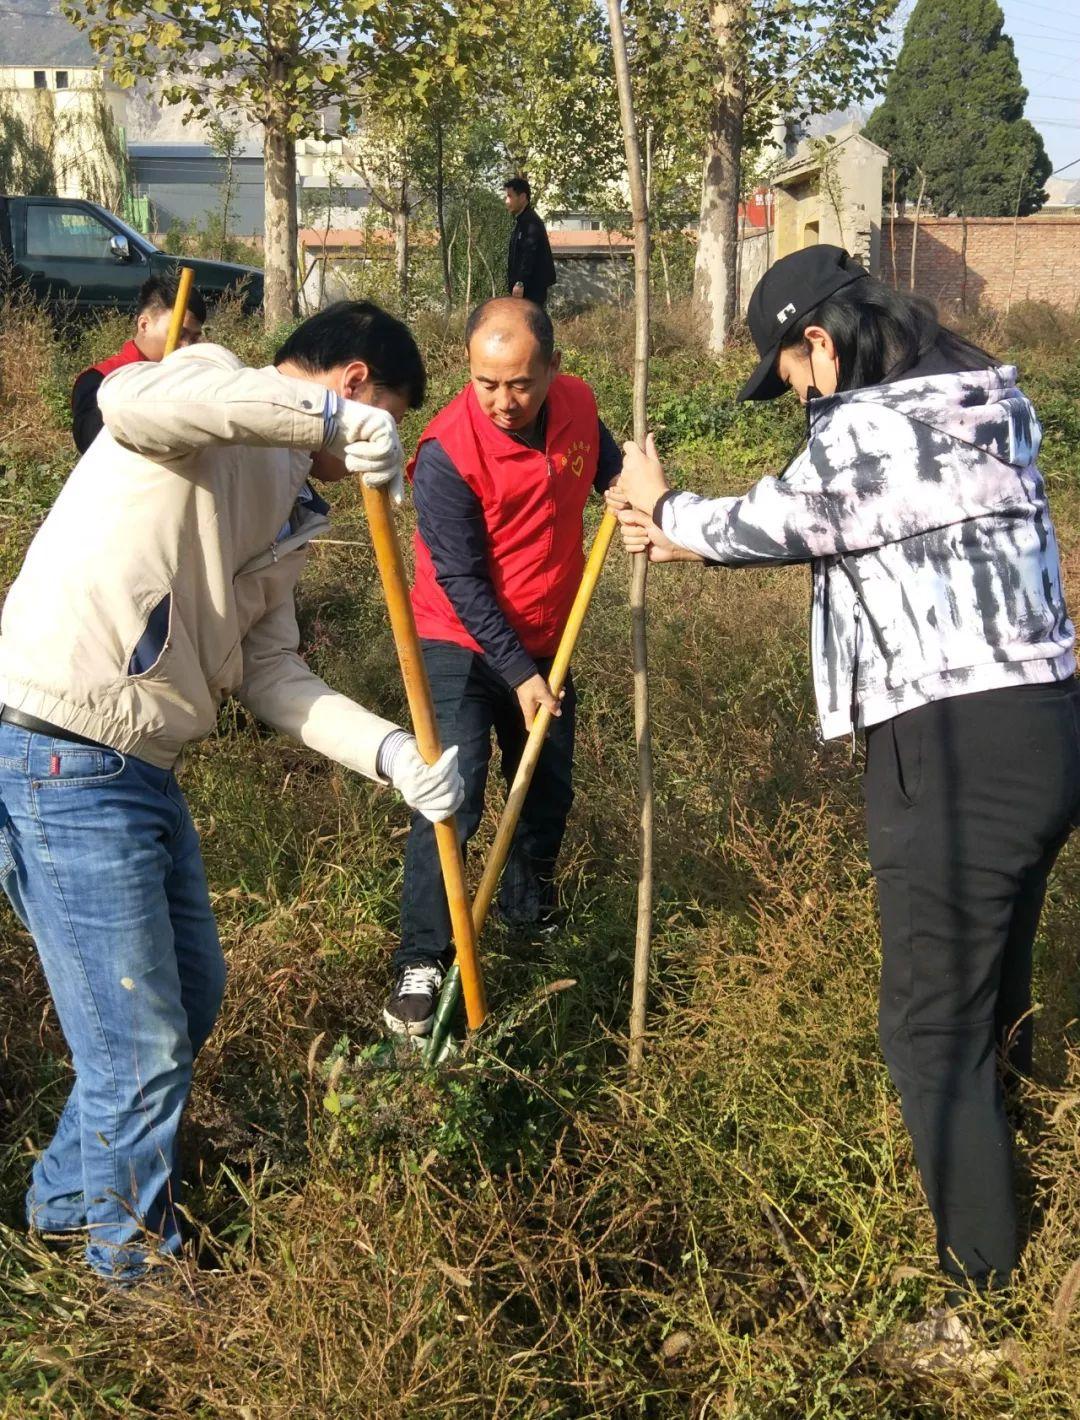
(411, 1007)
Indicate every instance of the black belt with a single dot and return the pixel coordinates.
(22, 721)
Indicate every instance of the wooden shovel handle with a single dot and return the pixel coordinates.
(179, 310)
(515, 799)
(418, 692)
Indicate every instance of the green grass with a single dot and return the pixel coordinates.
(524, 1234)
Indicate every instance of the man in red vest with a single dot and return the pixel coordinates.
(152, 316)
(500, 483)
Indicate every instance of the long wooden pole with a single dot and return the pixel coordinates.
(639, 629)
(530, 755)
(179, 310)
(418, 691)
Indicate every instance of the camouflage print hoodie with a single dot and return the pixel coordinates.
(935, 565)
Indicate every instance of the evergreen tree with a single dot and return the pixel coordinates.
(954, 109)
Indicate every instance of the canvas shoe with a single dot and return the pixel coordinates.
(411, 1007)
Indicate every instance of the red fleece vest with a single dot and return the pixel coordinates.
(533, 504)
(129, 354)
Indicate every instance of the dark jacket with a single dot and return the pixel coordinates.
(529, 259)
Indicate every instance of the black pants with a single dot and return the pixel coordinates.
(471, 700)
(968, 802)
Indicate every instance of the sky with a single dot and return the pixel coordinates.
(1046, 36)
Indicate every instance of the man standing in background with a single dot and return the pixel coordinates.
(530, 270)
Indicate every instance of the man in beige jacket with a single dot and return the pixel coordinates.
(160, 583)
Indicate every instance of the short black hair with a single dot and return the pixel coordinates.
(359, 330)
(536, 318)
(158, 293)
(519, 185)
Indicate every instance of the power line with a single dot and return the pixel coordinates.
(1049, 29)
(1066, 168)
(1048, 48)
(1033, 5)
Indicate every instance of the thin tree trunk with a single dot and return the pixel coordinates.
(487, 267)
(1016, 242)
(279, 242)
(324, 259)
(440, 216)
(638, 581)
(664, 267)
(892, 228)
(468, 258)
(915, 228)
(718, 227)
(401, 246)
(963, 261)
(226, 204)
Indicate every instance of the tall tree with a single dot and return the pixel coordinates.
(556, 101)
(278, 63)
(386, 157)
(725, 70)
(954, 109)
(407, 125)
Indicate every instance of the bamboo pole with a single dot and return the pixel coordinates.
(418, 691)
(179, 310)
(515, 799)
(639, 630)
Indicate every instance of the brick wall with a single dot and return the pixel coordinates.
(1046, 251)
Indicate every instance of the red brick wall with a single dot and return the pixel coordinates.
(1046, 251)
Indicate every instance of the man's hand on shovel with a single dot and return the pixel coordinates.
(435, 790)
(373, 449)
(375, 453)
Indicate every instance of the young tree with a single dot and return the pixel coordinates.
(407, 127)
(278, 63)
(724, 70)
(954, 109)
(225, 142)
(387, 159)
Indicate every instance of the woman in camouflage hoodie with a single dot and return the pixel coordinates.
(939, 628)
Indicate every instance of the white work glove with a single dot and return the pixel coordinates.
(435, 790)
(372, 447)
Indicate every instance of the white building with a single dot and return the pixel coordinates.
(68, 112)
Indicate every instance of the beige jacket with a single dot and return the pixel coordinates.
(179, 501)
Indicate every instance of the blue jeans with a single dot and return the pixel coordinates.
(471, 699)
(101, 861)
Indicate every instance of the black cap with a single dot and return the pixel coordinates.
(788, 291)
